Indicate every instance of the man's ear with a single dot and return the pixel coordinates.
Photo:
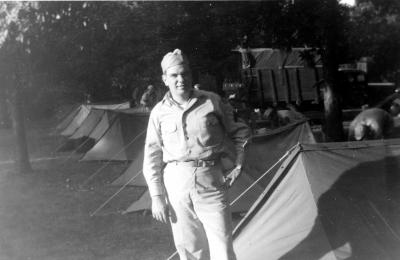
(164, 79)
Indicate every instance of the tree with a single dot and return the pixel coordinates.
(319, 24)
(13, 68)
(375, 33)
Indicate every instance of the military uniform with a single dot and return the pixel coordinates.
(182, 161)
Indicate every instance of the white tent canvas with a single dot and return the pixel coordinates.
(123, 140)
(328, 201)
(89, 124)
(79, 117)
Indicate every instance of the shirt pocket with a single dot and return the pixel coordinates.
(169, 132)
(211, 131)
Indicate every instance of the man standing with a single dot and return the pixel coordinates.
(149, 98)
(187, 134)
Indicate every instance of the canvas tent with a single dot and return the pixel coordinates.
(80, 116)
(104, 123)
(67, 118)
(328, 201)
(263, 152)
(110, 106)
(121, 140)
(89, 124)
(79, 141)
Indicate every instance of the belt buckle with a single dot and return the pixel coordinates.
(202, 163)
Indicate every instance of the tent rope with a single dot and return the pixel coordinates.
(252, 185)
(83, 143)
(108, 162)
(115, 194)
(263, 175)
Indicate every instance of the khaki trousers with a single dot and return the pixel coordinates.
(200, 214)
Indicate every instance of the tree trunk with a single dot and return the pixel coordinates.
(22, 162)
(333, 115)
(5, 120)
(333, 111)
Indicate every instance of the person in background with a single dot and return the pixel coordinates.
(395, 107)
(372, 123)
(196, 86)
(188, 133)
(149, 98)
(134, 97)
(88, 98)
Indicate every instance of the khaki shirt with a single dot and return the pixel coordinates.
(201, 131)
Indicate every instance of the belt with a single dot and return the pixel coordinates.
(197, 163)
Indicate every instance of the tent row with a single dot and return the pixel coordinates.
(99, 132)
(303, 200)
(119, 136)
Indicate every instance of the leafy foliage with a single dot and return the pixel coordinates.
(109, 48)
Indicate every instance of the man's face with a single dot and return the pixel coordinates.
(178, 79)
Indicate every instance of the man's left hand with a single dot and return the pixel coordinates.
(233, 175)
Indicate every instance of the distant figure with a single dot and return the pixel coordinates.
(395, 107)
(271, 114)
(134, 98)
(372, 123)
(149, 98)
(88, 98)
(196, 86)
(244, 52)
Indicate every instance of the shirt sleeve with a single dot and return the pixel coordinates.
(153, 157)
(238, 132)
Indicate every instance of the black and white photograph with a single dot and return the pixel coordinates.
(200, 130)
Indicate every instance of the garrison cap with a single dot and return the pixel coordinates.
(172, 59)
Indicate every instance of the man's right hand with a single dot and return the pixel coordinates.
(159, 208)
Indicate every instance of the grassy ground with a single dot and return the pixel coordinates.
(46, 214)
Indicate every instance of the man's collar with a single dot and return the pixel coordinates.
(170, 101)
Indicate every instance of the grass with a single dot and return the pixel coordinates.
(46, 214)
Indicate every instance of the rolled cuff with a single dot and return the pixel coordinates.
(156, 189)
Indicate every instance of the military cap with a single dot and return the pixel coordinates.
(172, 59)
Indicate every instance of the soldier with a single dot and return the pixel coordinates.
(372, 123)
(187, 134)
(149, 98)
